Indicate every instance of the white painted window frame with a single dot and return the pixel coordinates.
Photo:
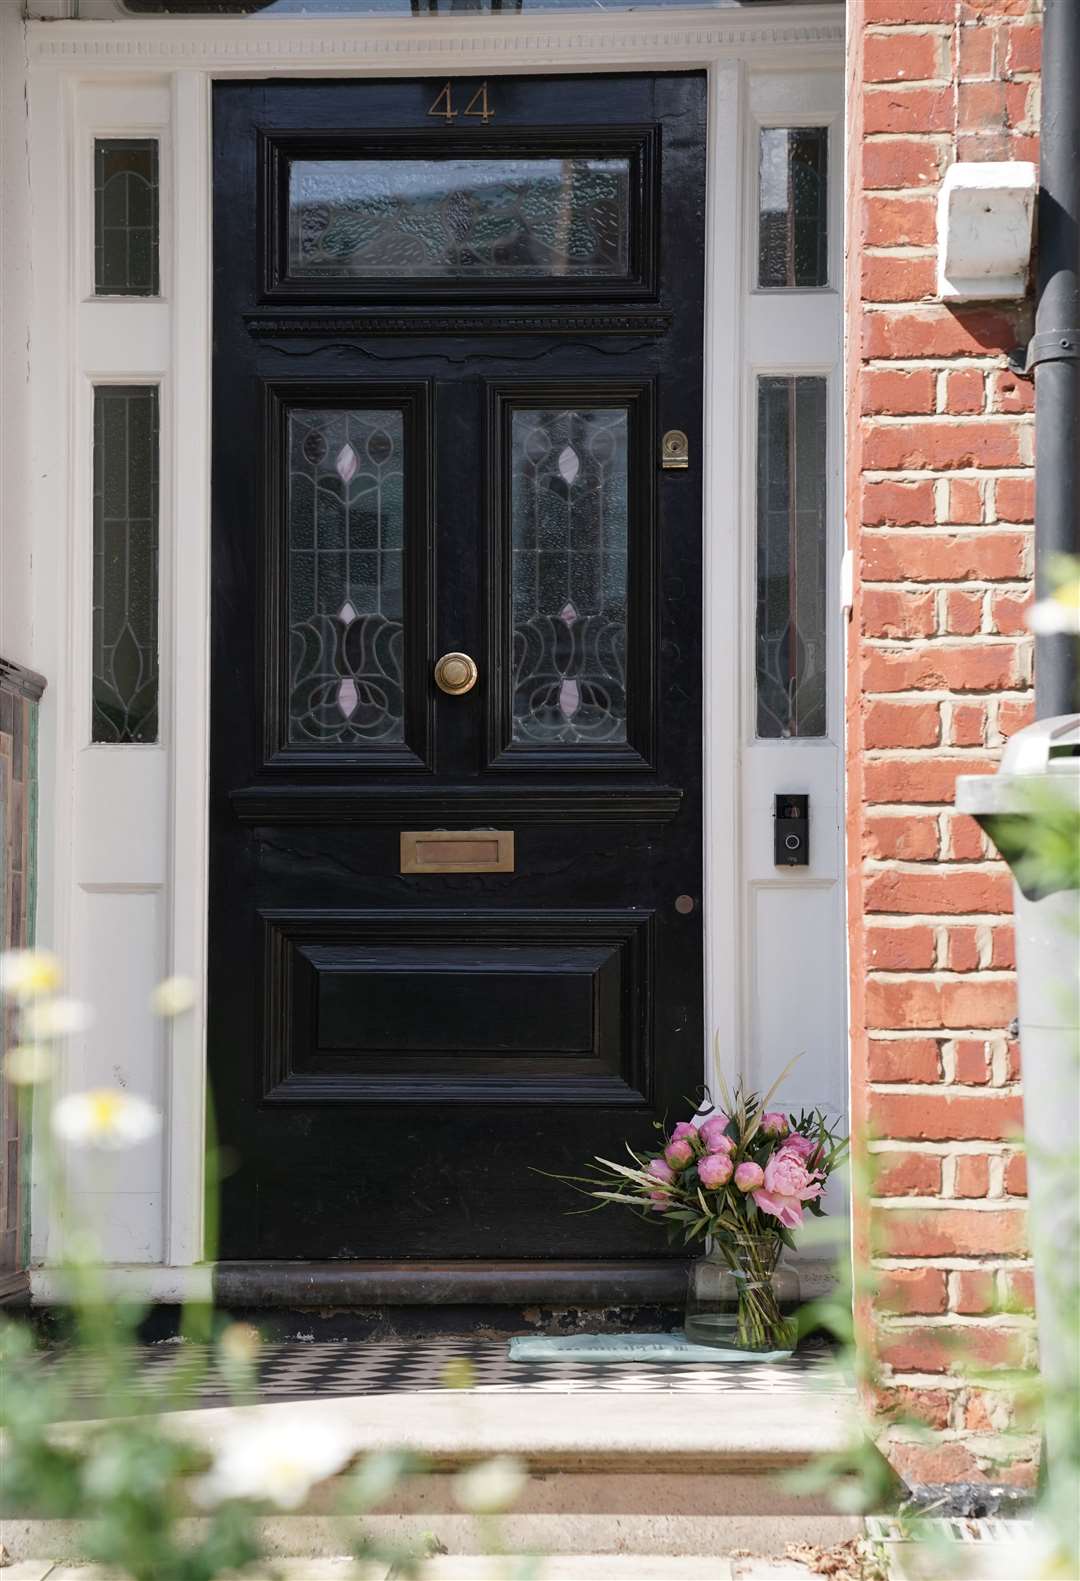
(802, 43)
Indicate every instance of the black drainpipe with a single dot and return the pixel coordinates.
(1055, 351)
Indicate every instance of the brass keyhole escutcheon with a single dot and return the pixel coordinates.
(456, 673)
(675, 450)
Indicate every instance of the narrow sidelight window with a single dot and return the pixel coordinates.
(126, 216)
(125, 641)
(793, 226)
(791, 556)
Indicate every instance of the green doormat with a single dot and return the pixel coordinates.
(629, 1347)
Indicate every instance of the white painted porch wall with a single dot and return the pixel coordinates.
(123, 830)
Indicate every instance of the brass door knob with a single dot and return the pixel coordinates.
(456, 673)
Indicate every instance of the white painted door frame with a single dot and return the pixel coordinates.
(123, 830)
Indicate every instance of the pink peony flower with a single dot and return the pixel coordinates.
(660, 1200)
(662, 1171)
(684, 1131)
(749, 1176)
(714, 1170)
(712, 1134)
(787, 1185)
(774, 1123)
(679, 1154)
(802, 1147)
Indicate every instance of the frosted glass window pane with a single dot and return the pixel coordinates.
(791, 556)
(417, 219)
(346, 522)
(125, 615)
(793, 238)
(569, 529)
(126, 216)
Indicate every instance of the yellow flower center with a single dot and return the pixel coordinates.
(105, 1109)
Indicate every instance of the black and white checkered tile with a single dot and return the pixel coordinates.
(185, 1376)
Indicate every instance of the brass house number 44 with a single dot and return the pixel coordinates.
(478, 106)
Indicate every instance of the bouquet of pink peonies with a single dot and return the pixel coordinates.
(742, 1179)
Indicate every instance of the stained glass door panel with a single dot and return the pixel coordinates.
(569, 519)
(346, 524)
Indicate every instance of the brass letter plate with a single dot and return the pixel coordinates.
(457, 850)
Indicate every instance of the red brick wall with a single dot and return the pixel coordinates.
(940, 495)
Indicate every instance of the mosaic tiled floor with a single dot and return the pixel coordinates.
(306, 1371)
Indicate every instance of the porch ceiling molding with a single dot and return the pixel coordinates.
(521, 43)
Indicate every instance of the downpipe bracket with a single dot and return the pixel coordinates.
(1055, 345)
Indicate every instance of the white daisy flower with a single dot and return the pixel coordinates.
(106, 1118)
(27, 1064)
(277, 1464)
(56, 1018)
(26, 973)
(491, 1486)
(173, 997)
(1061, 611)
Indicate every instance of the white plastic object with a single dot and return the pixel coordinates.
(984, 224)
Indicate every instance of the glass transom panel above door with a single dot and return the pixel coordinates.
(485, 214)
(421, 219)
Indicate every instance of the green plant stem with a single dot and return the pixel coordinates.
(759, 1323)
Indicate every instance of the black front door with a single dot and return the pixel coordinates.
(456, 872)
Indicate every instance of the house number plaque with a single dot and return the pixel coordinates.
(442, 106)
(457, 850)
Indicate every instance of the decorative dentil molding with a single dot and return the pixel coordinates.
(542, 39)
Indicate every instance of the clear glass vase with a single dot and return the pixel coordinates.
(739, 1298)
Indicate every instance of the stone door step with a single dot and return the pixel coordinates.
(607, 1474)
(477, 1567)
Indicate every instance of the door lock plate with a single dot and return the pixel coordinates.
(675, 450)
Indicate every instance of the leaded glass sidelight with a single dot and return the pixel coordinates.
(459, 218)
(569, 520)
(125, 614)
(345, 534)
(126, 245)
(793, 226)
(791, 556)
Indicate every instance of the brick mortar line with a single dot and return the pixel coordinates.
(938, 750)
(900, 867)
(970, 1147)
(983, 584)
(975, 1438)
(953, 1263)
(892, 1322)
(928, 251)
(942, 974)
(979, 361)
(942, 140)
(926, 1204)
(1008, 694)
(945, 639)
(935, 1380)
(948, 419)
(883, 85)
(941, 1089)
